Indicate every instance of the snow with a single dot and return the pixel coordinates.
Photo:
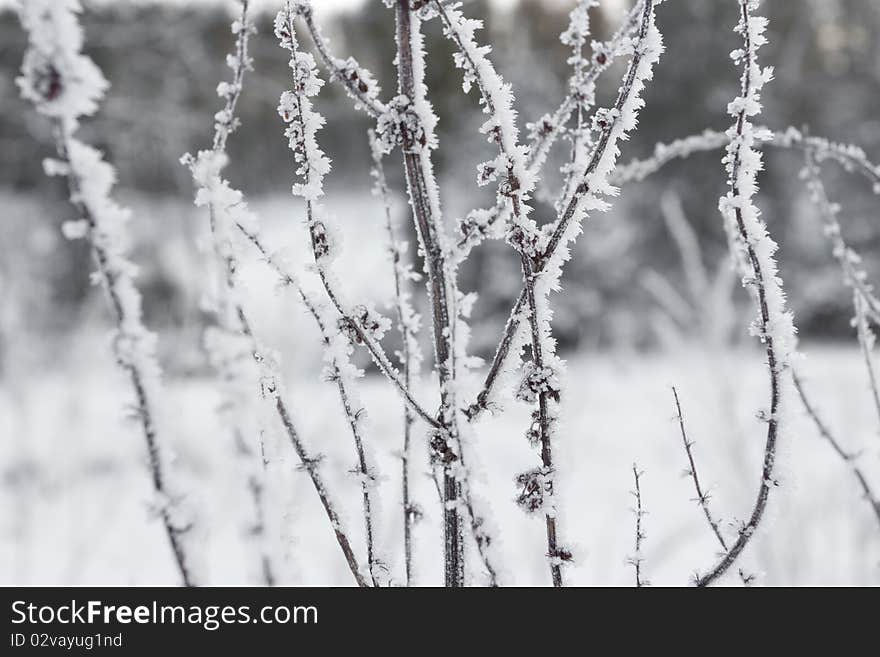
(83, 485)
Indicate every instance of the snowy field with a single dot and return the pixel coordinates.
(75, 494)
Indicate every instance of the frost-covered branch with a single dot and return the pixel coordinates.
(231, 343)
(613, 125)
(485, 223)
(854, 275)
(410, 355)
(290, 279)
(65, 85)
(851, 158)
(637, 558)
(754, 250)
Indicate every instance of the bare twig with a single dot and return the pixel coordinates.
(410, 354)
(866, 343)
(637, 559)
(702, 497)
(849, 458)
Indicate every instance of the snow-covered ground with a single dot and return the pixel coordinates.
(74, 494)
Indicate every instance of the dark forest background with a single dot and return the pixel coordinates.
(164, 62)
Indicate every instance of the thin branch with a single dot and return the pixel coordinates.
(358, 82)
(866, 343)
(850, 459)
(702, 497)
(851, 158)
(381, 360)
(410, 354)
(295, 109)
(636, 560)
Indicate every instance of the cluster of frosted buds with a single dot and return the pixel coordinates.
(488, 171)
(537, 380)
(541, 128)
(322, 240)
(600, 56)
(351, 71)
(469, 75)
(440, 451)
(531, 243)
(364, 321)
(605, 117)
(476, 224)
(427, 8)
(45, 81)
(225, 120)
(534, 486)
(399, 125)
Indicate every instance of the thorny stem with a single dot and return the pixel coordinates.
(426, 227)
(407, 357)
(637, 559)
(847, 457)
(702, 497)
(310, 464)
(502, 352)
(143, 402)
(767, 470)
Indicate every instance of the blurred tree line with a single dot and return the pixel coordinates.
(164, 62)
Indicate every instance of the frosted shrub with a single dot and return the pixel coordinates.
(65, 86)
